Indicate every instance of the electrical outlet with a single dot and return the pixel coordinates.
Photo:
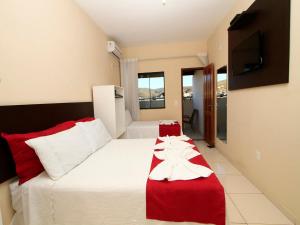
(258, 155)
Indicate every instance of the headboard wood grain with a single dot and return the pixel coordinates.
(29, 118)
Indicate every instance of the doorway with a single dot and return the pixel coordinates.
(192, 103)
(198, 103)
(222, 103)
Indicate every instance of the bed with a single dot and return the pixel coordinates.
(146, 129)
(109, 179)
(111, 190)
(110, 187)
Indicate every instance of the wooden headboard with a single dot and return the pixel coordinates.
(29, 118)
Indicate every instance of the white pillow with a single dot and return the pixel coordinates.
(128, 117)
(96, 133)
(61, 152)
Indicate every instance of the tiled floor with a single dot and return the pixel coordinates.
(245, 204)
(195, 135)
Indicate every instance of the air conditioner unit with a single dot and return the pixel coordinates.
(113, 48)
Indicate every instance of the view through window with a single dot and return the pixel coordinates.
(188, 87)
(151, 90)
(222, 84)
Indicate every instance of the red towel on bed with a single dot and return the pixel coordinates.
(200, 200)
(169, 130)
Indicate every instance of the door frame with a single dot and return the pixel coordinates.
(186, 71)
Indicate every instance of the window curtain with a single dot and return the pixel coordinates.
(129, 81)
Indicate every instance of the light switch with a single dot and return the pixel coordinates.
(258, 155)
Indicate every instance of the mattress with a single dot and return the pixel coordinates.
(142, 129)
(108, 188)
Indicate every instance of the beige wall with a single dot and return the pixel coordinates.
(5, 203)
(50, 51)
(265, 119)
(167, 57)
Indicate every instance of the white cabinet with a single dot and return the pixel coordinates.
(109, 106)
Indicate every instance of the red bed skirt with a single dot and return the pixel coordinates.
(169, 130)
(200, 200)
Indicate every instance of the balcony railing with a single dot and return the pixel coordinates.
(152, 103)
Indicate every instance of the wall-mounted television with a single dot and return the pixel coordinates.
(248, 55)
(259, 45)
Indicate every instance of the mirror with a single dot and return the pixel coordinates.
(222, 103)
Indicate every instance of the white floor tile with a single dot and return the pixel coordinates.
(232, 213)
(244, 203)
(213, 156)
(236, 184)
(201, 145)
(257, 209)
(224, 167)
(263, 224)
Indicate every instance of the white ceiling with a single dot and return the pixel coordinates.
(134, 22)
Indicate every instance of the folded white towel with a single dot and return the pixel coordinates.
(173, 143)
(178, 169)
(179, 138)
(167, 122)
(176, 153)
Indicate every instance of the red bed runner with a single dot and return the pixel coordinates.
(169, 129)
(200, 200)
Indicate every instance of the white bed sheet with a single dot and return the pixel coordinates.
(107, 189)
(142, 129)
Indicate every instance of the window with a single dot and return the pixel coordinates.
(187, 87)
(151, 90)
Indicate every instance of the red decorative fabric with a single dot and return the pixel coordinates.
(87, 119)
(27, 162)
(200, 200)
(169, 130)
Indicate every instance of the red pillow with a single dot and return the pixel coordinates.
(27, 162)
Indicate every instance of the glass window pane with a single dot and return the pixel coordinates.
(188, 81)
(187, 87)
(144, 94)
(221, 84)
(157, 92)
(151, 90)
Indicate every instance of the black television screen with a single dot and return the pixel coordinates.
(247, 56)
